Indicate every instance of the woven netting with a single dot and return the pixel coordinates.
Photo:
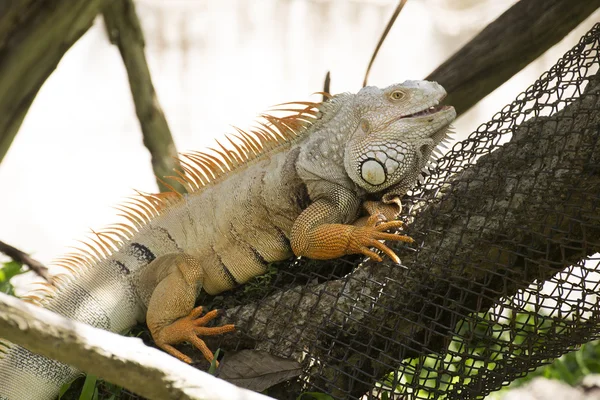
(503, 276)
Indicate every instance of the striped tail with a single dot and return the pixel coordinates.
(25, 375)
(98, 297)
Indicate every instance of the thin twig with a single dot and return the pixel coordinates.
(383, 36)
(326, 85)
(24, 258)
(124, 31)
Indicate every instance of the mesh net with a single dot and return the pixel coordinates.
(503, 276)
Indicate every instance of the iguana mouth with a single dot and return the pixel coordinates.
(428, 111)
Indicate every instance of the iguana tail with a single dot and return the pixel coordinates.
(26, 375)
(100, 296)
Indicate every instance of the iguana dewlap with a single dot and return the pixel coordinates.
(322, 182)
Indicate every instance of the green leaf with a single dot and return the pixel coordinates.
(13, 268)
(563, 372)
(579, 357)
(213, 364)
(63, 389)
(7, 271)
(89, 388)
(6, 287)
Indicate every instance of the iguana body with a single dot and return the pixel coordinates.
(296, 185)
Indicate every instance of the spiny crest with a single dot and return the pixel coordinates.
(200, 169)
(4, 346)
(437, 153)
(138, 211)
(270, 132)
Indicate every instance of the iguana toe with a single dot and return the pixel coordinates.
(366, 237)
(187, 329)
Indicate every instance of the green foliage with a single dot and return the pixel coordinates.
(482, 341)
(262, 282)
(63, 390)
(213, 365)
(478, 344)
(7, 271)
(570, 368)
(84, 387)
(89, 391)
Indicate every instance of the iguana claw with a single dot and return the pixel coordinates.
(362, 238)
(187, 329)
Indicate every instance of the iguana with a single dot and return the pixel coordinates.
(320, 182)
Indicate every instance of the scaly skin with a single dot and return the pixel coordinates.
(331, 188)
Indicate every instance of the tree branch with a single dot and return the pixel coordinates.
(481, 241)
(124, 31)
(122, 360)
(34, 35)
(456, 251)
(387, 29)
(25, 259)
(506, 46)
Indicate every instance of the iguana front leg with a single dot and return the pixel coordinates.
(318, 232)
(171, 316)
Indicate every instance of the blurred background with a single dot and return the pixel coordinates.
(214, 64)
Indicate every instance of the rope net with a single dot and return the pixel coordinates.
(503, 276)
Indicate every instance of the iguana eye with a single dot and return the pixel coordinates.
(397, 95)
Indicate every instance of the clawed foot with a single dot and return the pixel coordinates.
(187, 329)
(370, 235)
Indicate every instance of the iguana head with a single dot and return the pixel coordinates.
(398, 128)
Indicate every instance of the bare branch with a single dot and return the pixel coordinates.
(121, 360)
(124, 31)
(506, 46)
(25, 259)
(382, 38)
(34, 35)
(455, 252)
(326, 86)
